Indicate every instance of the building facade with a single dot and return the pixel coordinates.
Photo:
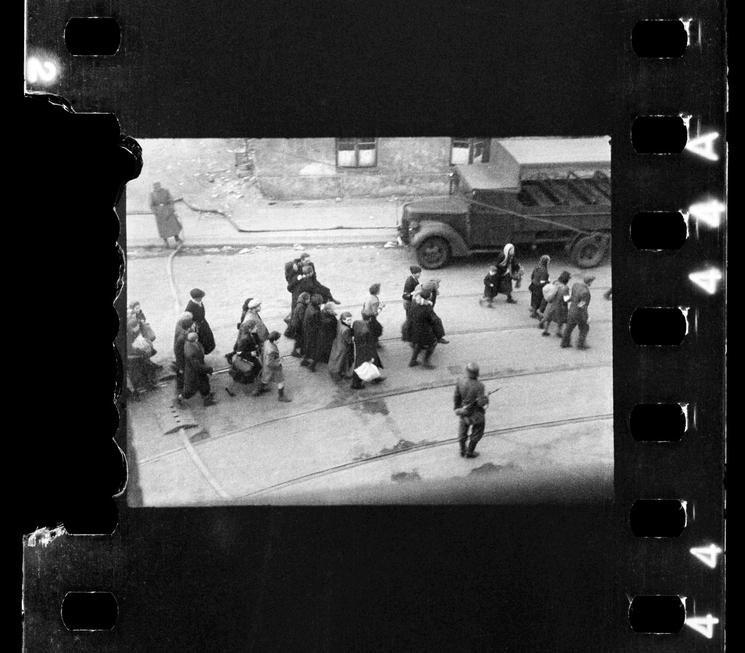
(320, 168)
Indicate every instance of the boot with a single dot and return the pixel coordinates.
(510, 300)
(305, 362)
(209, 400)
(281, 395)
(463, 449)
(296, 353)
(472, 454)
(312, 367)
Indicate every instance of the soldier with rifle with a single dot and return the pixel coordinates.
(470, 405)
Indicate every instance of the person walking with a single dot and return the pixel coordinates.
(577, 315)
(556, 298)
(166, 220)
(294, 330)
(311, 331)
(141, 371)
(372, 307)
(271, 371)
(470, 402)
(412, 281)
(365, 334)
(341, 357)
(432, 288)
(327, 328)
(196, 372)
(253, 323)
(202, 327)
(184, 326)
(538, 280)
(491, 285)
(508, 268)
(423, 331)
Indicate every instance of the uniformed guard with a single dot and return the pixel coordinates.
(470, 405)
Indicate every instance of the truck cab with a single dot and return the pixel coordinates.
(525, 199)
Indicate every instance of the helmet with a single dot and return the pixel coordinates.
(472, 369)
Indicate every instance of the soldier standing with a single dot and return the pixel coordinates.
(470, 406)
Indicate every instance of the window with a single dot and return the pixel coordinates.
(356, 152)
(469, 150)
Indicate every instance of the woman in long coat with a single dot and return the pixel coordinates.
(311, 329)
(365, 333)
(341, 358)
(424, 330)
(507, 267)
(161, 204)
(294, 330)
(196, 372)
(538, 279)
(183, 327)
(326, 334)
(556, 309)
(196, 308)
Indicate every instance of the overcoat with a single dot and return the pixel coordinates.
(294, 329)
(206, 337)
(538, 279)
(311, 329)
(195, 370)
(342, 352)
(556, 311)
(422, 325)
(271, 362)
(166, 219)
(365, 335)
(326, 337)
(505, 269)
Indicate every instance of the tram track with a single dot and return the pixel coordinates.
(357, 400)
(419, 447)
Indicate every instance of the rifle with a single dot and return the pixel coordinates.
(463, 409)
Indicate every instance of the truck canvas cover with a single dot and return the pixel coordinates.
(518, 159)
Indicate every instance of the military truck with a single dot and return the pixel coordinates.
(534, 191)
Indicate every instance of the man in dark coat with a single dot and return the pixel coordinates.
(365, 334)
(161, 204)
(311, 332)
(184, 326)
(577, 316)
(470, 404)
(423, 331)
(300, 275)
(196, 308)
(196, 372)
(412, 281)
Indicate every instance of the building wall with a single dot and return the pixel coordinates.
(306, 169)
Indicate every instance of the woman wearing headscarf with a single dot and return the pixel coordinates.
(342, 350)
(556, 308)
(140, 369)
(311, 330)
(538, 279)
(326, 334)
(507, 267)
(196, 308)
(294, 329)
(365, 334)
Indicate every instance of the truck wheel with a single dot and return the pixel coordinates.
(433, 253)
(589, 251)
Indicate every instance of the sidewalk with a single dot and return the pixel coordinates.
(278, 223)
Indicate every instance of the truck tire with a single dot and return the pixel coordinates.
(433, 253)
(589, 251)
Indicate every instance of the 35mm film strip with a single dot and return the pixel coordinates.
(666, 522)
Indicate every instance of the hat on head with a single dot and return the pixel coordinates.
(254, 303)
(415, 269)
(197, 293)
(472, 369)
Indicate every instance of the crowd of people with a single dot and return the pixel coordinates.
(348, 347)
